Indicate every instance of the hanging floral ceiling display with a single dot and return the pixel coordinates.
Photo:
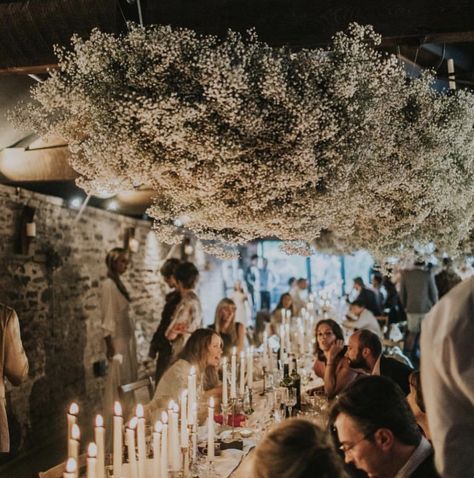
(333, 147)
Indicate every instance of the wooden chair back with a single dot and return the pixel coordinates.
(58, 470)
(137, 388)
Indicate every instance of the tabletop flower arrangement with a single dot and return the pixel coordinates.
(331, 146)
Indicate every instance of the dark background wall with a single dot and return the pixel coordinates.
(55, 290)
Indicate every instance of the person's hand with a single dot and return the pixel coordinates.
(335, 350)
(179, 329)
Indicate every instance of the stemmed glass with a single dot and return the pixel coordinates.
(290, 399)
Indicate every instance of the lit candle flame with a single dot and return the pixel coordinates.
(117, 409)
(133, 423)
(99, 421)
(71, 465)
(158, 426)
(92, 450)
(164, 417)
(74, 408)
(139, 411)
(211, 402)
(75, 432)
(192, 370)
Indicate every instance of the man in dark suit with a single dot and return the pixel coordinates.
(367, 297)
(364, 351)
(378, 433)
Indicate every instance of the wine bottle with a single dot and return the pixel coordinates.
(296, 379)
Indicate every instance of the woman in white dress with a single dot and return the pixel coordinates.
(203, 351)
(118, 329)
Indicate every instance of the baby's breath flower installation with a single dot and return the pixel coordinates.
(249, 141)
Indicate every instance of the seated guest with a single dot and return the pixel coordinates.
(366, 296)
(331, 364)
(296, 449)
(203, 350)
(231, 332)
(417, 404)
(378, 432)
(361, 318)
(364, 351)
(285, 303)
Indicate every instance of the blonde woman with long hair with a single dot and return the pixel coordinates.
(203, 351)
(231, 332)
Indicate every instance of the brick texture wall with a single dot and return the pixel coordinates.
(55, 291)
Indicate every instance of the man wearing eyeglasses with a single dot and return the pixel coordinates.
(378, 433)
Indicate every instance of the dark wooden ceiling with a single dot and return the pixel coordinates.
(29, 29)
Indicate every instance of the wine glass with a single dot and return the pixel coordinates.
(290, 399)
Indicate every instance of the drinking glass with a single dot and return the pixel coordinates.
(290, 399)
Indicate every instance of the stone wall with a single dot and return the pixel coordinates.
(55, 291)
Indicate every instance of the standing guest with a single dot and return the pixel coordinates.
(378, 432)
(202, 351)
(378, 289)
(231, 332)
(252, 279)
(296, 449)
(418, 294)
(241, 300)
(13, 365)
(299, 295)
(285, 303)
(331, 364)
(364, 351)
(447, 376)
(187, 315)
(417, 403)
(118, 328)
(362, 318)
(159, 343)
(396, 312)
(267, 279)
(447, 278)
(366, 296)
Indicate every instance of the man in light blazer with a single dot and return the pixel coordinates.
(13, 365)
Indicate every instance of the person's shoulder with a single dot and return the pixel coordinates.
(426, 469)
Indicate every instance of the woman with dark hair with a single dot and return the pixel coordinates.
(187, 315)
(119, 332)
(285, 303)
(231, 332)
(297, 449)
(417, 404)
(202, 351)
(330, 364)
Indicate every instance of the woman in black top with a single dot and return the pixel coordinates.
(232, 333)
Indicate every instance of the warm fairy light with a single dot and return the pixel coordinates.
(211, 402)
(92, 450)
(133, 423)
(139, 411)
(117, 409)
(164, 417)
(75, 432)
(74, 408)
(71, 465)
(158, 426)
(99, 421)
